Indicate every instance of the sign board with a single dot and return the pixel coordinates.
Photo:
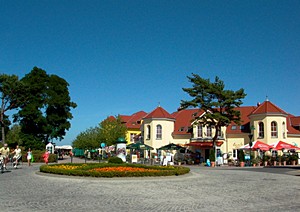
(134, 159)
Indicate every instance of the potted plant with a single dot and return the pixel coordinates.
(212, 157)
(293, 158)
(179, 161)
(266, 159)
(273, 161)
(241, 158)
(279, 160)
(256, 161)
(284, 159)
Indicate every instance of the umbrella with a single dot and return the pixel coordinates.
(257, 145)
(171, 146)
(283, 145)
(139, 146)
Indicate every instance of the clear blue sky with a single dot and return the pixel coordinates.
(120, 57)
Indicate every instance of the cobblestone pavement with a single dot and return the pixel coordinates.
(204, 189)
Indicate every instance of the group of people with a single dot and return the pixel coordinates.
(5, 152)
(17, 155)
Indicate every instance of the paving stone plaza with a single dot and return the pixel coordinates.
(204, 189)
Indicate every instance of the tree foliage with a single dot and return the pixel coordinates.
(218, 103)
(13, 94)
(45, 113)
(111, 129)
(108, 132)
(88, 139)
(13, 136)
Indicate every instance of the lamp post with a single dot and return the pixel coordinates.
(250, 142)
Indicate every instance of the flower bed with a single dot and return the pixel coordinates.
(113, 170)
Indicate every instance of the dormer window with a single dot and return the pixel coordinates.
(181, 129)
(233, 127)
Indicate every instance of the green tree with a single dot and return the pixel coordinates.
(218, 103)
(13, 94)
(13, 136)
(46, 112)
(88, 139)
(111, 129)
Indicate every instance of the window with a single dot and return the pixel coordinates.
(274, 129)
(261, 133)
(132, 136)
(233, 127)
(148, 132)
(242, 127)
(158, 131)
(283, 130)
(220, 133)
(199, 131)
(208, 131)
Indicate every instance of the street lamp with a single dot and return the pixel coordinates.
(250, 142)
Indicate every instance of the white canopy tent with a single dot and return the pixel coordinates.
(64, 147)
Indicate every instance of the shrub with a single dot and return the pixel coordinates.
(37, 156)
(116, 160)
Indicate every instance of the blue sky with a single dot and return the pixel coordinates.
(120, 57)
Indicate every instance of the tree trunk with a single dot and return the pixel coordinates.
(215, 138)
(2, 122)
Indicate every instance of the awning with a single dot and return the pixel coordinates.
(257, 145)
(204, 143)
(283, 145)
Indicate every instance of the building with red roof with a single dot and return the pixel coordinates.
(266, 122)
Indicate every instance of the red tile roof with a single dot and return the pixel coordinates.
(245, 121)
(267, 107)
(159, 112)
(291, 123)
(184, 119)
(295, 121)
(133, 121)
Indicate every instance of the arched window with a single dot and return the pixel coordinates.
(274, 133)
(148, 132)
(261, 132)
(158, 131)
(199, 131)
(283, 130)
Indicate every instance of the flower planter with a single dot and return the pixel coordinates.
(266, 163)
(293, 162)
(212, 163)
(284, 163)
(242, 164)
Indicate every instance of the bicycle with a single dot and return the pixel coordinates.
(2, 164)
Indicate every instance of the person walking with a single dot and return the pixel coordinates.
(17, 156)
(29, 156)
(46, 156)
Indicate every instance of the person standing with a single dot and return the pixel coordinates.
(5, 153)
(17, 156)
(29, 156)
